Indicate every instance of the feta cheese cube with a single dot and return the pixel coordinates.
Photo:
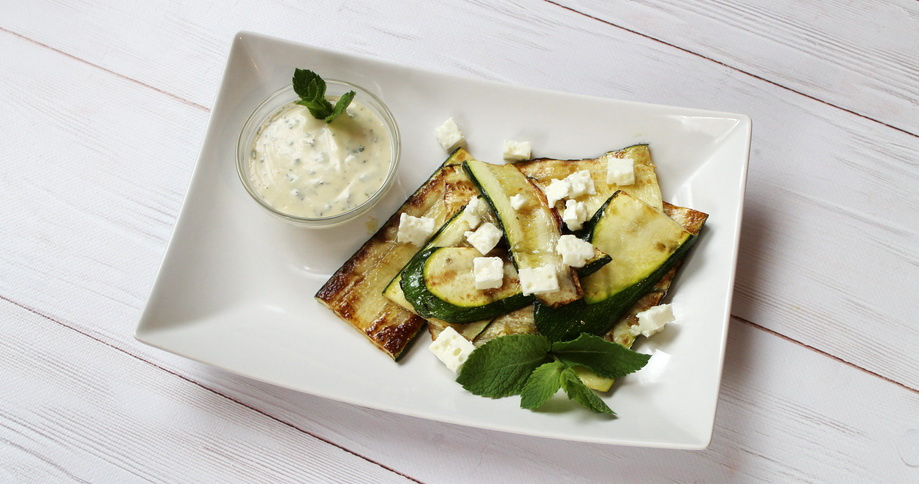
(538, 280)
(485, 237)
(580, 183)
(557, 190)
(575, 252)
(620, 171)
(472, 213)
(518, 201)
(575, 214)
(652, 320)
(414, 230)
(488, 272)
(451, 349)
(517, 150)
(449, 135)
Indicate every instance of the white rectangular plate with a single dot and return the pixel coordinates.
(236, 287)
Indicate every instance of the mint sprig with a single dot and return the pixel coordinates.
(534, 368)
(311, 89)
(500, 367)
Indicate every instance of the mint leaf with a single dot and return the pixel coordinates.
(308, 85)
(605, 358)
(311, 89)
(501, 367)
(340, 106)
(579, 392)
(541, 385)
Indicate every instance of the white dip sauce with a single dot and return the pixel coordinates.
(305, 167)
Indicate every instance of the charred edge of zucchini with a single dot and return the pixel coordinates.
(429, 305)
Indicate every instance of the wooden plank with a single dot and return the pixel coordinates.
(73, 408)
(855, 55)
(822, 184)
(859, 56)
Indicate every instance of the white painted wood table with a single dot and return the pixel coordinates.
(104, 107)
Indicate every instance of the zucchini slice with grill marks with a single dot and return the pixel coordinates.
(439, 283)
(543, 170)
(644, 244)
(354, 292)
(450, 234)
(532, 232)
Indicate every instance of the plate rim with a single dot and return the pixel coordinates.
(144, 334)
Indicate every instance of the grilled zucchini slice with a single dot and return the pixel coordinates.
(449, 235)
(439, 283)
(532, 232)
(644, 243)
(543, 170)
(521, 321)
(355, 292)
(691, 220)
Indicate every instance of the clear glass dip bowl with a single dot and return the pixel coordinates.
(278, 101)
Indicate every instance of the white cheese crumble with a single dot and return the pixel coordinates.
(517, 150)
(451, 349)
(488, 272)
(449, 135)
(574, 251)
(538, 280)
(414, 230)
(472, 213)
(652, 320)
(620, 171)
(575, 214)
(484, 238)
(580, 183)
(518, 201)
(557, 190)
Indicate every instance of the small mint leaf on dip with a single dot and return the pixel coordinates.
(605, 358)
(579, 392)
(311, 89)
(544, 382)
(340, 106)
(501, 367)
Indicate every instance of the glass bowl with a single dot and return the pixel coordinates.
(279, 100)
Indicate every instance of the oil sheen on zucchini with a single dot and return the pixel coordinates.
(644, 244)
(532, 232)
(439, 283)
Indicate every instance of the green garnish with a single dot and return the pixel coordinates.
(311, 89)
(534, 368)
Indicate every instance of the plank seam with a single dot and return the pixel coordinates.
(736, 69)
(824, 353)
(106, 70)
(204, 387)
